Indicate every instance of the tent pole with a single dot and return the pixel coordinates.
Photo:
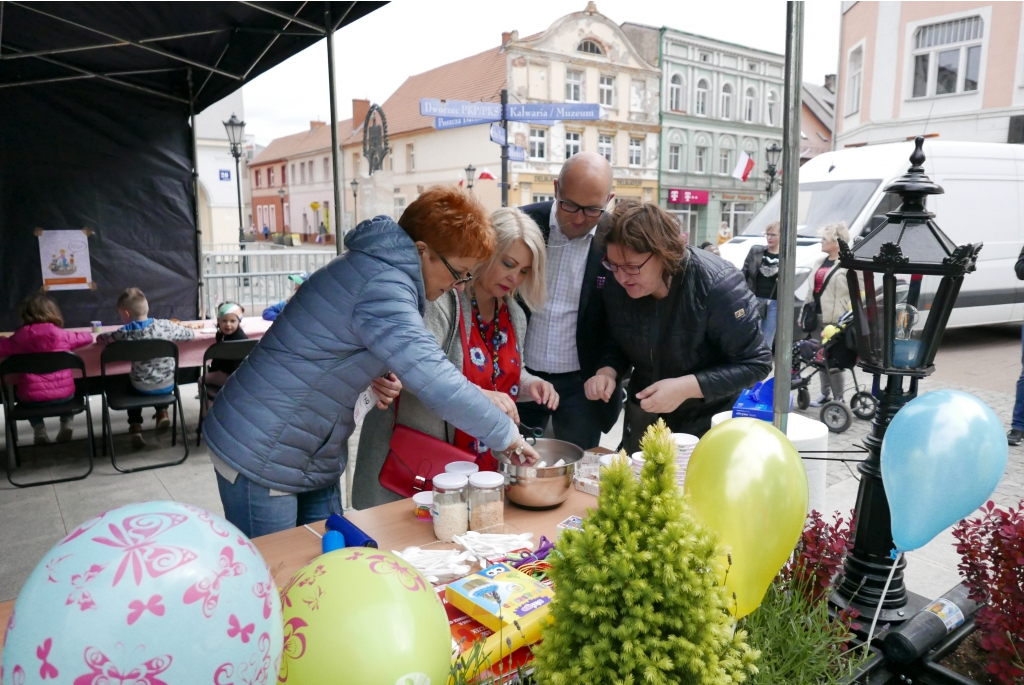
(790, 194)
(338, 236)
(201, 304)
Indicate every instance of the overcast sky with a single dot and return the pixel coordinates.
(377, 53)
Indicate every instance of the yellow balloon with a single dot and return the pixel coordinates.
(746, 482)
(362, 615)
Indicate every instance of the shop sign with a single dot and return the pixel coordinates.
(727, 196)
(628, 182)
(684, 196)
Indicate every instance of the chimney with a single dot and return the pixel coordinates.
(359, 110)
(506, 36)
(591, 8)
(314, 125)
(830, 83)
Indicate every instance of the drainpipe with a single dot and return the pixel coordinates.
(661, 118)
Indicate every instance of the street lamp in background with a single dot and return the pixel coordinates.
(470, 176)
(772, 157)
(355, 202)
(236, 136)
(280, 194)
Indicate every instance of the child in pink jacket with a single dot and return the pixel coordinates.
(42, 332)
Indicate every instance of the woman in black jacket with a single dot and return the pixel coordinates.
(683, 319)
(761, 270)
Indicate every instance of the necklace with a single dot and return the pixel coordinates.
(495, 336)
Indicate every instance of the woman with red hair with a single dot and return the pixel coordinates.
(278, 431)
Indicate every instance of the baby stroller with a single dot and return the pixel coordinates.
(838, 352)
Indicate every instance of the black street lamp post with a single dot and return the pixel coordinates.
(772, 157)
(470, 177)
(906, 247)
(236, 136)
(355, 202)
(281, 194)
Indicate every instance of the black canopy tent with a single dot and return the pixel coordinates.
(97, 101)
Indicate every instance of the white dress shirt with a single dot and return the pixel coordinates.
(551, 335)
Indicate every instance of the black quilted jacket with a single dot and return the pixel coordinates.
(715, 335)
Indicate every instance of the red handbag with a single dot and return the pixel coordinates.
(414, 458)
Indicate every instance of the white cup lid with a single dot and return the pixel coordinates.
(450, 481)
(466, 468)
(638, 457)
(487, 479)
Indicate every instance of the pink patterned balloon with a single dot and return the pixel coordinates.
(149, 594)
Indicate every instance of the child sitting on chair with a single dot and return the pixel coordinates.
(229, 327)
(153, 376)
(42, 331)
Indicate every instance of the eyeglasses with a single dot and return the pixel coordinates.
(624, 268)
(459, 280)
(571, 207)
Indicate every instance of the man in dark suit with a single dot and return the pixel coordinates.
(564, 339)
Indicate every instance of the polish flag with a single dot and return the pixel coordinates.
(485, 173)
(744, 167)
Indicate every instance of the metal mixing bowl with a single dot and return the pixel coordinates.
(542, 487)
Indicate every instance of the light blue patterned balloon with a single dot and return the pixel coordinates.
(942, 457)
(150, 593)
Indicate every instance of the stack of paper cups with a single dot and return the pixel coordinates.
(685, 443)
(638, 463)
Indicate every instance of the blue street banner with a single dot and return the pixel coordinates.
(441, 123)
(484, 111)
(516, 153)
(566, 111)
(497, 134)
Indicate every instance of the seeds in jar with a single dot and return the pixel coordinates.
(487, 514)
(450, 519)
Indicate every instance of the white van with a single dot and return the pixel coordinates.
(983, 202)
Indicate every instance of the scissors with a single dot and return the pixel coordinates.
(531, 434)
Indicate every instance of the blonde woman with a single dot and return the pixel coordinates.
(829, 293)
(481, 330)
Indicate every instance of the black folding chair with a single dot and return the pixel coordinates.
(40, 363)
(118, 393)
(228, 350)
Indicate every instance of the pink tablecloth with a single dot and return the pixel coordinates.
(190, 352)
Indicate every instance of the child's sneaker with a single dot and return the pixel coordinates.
(41, 438)
(162, 422)
(138, 442)
(66, 431)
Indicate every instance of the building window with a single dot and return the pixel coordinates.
(700, 159)
(673, 157)
(302, 172)
(604, 147)
(538, 143)
(399, 206)
(636, 151)
(737, 215)
(572, 143)
(946, 49)
(284, 174)
(607, 88)
(749, 105)
(705, 57)
(312, 174)
(355, 165)
(686, 215)
(259, 179)
(574, 86)
(725, 110)
(589, 46)
(856, 64)
(675, 93)
(287, 214)
(270, 177)
(725, 161)
(773, 105)
(410, 157)
(751, 66)
(327, 168)
(701, 106)
(637, 95)
(293, 174)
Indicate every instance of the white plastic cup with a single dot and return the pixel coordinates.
(638, 463)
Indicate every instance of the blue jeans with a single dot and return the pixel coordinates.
(768, 324)
(250, 507)
(1018, 405)
(575, 420)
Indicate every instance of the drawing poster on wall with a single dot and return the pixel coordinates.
(64, 258)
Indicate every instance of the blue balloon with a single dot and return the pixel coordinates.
(942, 457)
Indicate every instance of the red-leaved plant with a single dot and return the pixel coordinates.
(818, 557)
(992, 566)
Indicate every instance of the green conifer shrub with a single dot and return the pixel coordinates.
(637, 599)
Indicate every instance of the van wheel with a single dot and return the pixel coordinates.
(836, 416)
(803, 398)
(863, 405)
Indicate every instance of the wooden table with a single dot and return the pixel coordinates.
(394, 527)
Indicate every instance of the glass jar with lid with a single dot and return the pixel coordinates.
(450, 511)
(463, 468)
(486, 500)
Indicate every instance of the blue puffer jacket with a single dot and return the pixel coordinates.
(284, 418)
